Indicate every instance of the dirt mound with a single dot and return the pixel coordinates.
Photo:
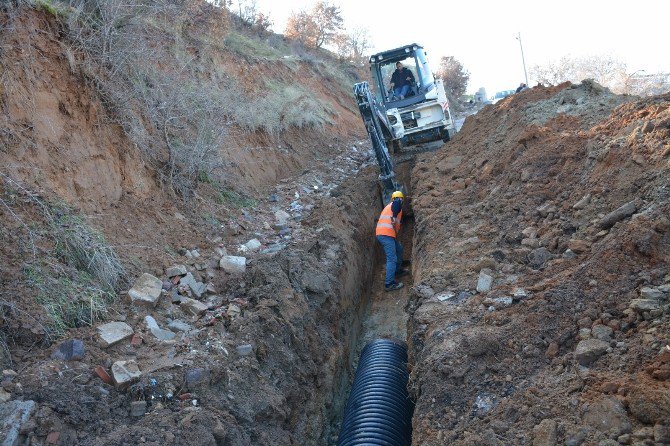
(558, 197)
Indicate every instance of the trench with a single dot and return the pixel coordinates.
(380, 314)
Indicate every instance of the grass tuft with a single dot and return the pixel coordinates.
(69, 301)
(52, 7)
(229, 197)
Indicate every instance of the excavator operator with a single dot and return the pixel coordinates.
(401, 81)
(388, 228)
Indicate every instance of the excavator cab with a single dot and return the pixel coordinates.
(424, 110)
(419, 114)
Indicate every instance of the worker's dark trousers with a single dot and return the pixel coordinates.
(393, 251)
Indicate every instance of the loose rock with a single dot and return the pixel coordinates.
(146, 290)
(588, 350)
(176, 270)
(244, 350)
(602, 332)
(198, 288)
(583, 202)
(163, 335)
(13, 415)
(544, 434)
(70, 350)
(608, 416)
(651, 293)
(114, 332)
(642, 305)
(192, 306)
(619, 214)
(233, 264)
(138, 408)
(179, 326)
(125, 373)
(484, 282)
(538, 257)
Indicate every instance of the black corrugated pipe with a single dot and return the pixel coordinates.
(379, 410)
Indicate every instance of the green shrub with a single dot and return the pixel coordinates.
(53, 7)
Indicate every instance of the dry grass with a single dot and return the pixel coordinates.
(75, 274)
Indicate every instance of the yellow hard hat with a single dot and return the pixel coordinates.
(397, 194)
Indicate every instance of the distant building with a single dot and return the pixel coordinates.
(480, 96)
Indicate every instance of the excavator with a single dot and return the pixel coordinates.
(421, 115)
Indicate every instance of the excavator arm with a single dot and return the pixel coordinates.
(374, 118)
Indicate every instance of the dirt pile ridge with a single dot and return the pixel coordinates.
(541, 258)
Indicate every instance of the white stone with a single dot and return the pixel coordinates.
(146, 290)
(445, 296)
(163, 335)
(114, 332)
(252, 245)
(583, 202)
(498, 302)
(484, 282)
(520, 293)
(125, 372)
(233, 264)
(282, 217)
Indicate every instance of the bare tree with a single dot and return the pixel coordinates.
(453, 75)
(353, 46)
(605, 70)
(316, 28)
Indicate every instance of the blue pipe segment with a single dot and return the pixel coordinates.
(379, 410)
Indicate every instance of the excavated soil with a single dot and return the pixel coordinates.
(560, 196)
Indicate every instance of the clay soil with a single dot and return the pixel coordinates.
(523, 194)
(559, 350)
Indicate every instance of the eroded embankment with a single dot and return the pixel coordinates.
(269, 363)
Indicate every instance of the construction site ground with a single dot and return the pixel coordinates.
(536, 313)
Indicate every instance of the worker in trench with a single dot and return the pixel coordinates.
(388, 229)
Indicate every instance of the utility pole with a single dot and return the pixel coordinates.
(523, 60)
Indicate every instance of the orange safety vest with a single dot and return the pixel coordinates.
(385, 225)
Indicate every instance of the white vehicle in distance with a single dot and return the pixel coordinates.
(501, 95)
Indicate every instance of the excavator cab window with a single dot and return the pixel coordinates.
(414, 61)
(387, 69)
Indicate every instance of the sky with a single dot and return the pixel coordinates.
(482, 34)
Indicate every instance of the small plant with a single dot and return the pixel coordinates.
(85, 249)
(73, 271)
(227, 196)
(69, 300)
(52, 7)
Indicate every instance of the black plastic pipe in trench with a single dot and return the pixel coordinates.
(379, 410)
